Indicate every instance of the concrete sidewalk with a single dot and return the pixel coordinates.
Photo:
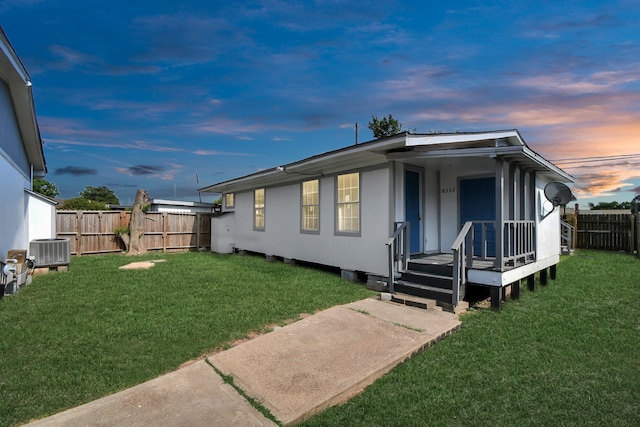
(294, 371)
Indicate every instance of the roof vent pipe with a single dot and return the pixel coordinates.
(356, 133)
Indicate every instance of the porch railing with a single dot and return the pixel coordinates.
(485, 231)
(519, 242)
(518, 238)
(567, 231)
(398, 246)
(462, 258)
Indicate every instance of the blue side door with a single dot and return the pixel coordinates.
(412, 209)
(478, 203)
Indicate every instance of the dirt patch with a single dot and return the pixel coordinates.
(141, 265)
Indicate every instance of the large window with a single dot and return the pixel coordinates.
(310, 206)
(258, 209)
(348, 203)
(229, 200)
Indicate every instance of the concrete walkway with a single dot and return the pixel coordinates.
(294, 371)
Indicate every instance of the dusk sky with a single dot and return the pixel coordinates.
(159, 94)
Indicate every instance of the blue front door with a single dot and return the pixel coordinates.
(478, 203)
(412, 208)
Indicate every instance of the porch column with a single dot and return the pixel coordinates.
(531, 195)
(512, 191)
(499, 224)
(524, 195)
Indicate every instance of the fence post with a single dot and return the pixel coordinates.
(165, 231)
(198, 215)
(79, 232)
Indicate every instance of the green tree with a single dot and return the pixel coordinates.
(82, 204)
(46, 188)
(386, 126)
(633, 205)
(100, 194)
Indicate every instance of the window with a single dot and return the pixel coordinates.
(310, 206)
(229, 200)
(258, 209)
(348, 203)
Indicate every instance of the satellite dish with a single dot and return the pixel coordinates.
(558, 194)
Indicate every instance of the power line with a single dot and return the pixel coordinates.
(594, 159)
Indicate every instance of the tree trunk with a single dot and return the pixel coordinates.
(136, 225)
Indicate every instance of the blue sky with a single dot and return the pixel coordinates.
(152, 93)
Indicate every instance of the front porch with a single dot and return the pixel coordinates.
(444, 276)
(431, 276)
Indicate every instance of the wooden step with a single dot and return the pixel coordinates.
(439, 269)
(428, 279)
(423, 291)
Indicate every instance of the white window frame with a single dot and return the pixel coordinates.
(259, 208)
(307, 204)
(344, 203)
(231, 196)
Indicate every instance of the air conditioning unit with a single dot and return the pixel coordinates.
(50, 252)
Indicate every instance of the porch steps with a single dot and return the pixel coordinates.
(424, 291)
(431, 280)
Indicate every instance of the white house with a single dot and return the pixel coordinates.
(426, 213)
(25, 215)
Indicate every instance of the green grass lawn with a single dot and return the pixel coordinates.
(71, 337)
(567, 354)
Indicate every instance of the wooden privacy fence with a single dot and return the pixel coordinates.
(91, 232)
(615, 232)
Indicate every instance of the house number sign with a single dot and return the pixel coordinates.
(447, 190)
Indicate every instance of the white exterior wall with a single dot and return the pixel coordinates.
(449, 210)
(282, 236)
(14, 231)
(42, 217)
(431, 212)
(547, 230)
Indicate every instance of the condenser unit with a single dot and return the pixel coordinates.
(50, 252)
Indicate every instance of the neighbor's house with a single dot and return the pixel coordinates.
(25, 215)
(425, 213)
(179, 206)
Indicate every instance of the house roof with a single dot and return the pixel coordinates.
(15, 75)
(437, 150)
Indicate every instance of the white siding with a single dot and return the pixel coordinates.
(431, 209)
(282, 236)
(449, 210)
(11, 146)
(14, 232)
(547, 230)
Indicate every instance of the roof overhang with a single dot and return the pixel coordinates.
(522, 155)
(507, 144)
(15, 75)
(348, 158)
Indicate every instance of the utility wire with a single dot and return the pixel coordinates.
(596, 159)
